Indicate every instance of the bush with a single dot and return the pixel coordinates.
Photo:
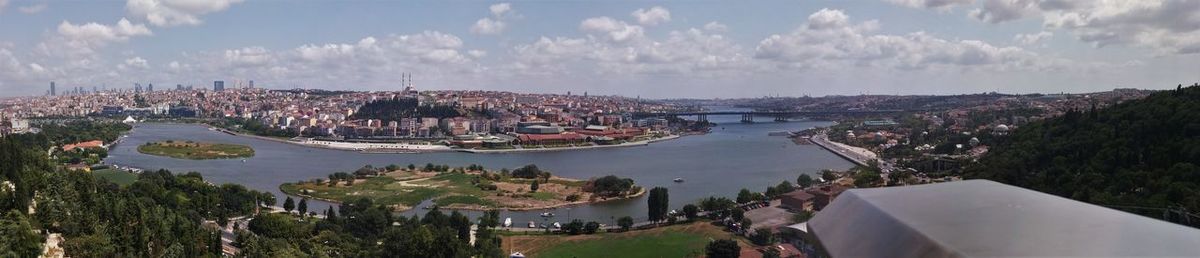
(573, 198)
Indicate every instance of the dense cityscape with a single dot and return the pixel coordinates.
(893, 128)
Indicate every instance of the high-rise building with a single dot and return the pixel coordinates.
(150, 87)
(137, 88)
(251, 84)
(218, 85)
(178, 86)
(52, 91)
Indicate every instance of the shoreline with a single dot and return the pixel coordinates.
(627, 144)
(473, 151)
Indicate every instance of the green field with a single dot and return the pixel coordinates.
(672, 241)
(117, 176)
(196, 150)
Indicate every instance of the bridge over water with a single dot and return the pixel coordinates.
(779, 116)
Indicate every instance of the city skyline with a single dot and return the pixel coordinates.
(649, 49)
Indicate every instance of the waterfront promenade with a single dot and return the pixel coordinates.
(856, 155)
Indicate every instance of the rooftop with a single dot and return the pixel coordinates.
(976, 218)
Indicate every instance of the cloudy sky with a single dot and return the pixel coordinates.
(651, 49)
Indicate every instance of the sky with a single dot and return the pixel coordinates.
(671, 49)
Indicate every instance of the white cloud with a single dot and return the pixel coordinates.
(3, 3)
(931, 4)
(86, 38)
(615, 47)
(496, 24)
(165, 13)
(488, 26)
(136, 62)
(653, 16)
(830, 40)
(1164, 26)
(248, 57)
(32, 9)
(997, 11)
(500, 9)
(716, 27)
(612, 29)
(1032, 39)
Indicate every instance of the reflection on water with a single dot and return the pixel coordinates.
(732, 157)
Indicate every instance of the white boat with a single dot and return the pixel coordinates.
(547, 214)
(679, 180)
(532, 225)
(556, 225)
(507, 222)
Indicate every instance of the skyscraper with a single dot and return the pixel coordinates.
(52, 91)
(218, 85)
(251, 84)
(150, 87)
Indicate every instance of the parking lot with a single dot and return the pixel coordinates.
(770, 217)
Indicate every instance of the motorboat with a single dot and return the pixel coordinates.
(557, 225)
(547, 214)
(679, 180)
(507, 222)
(532, 225)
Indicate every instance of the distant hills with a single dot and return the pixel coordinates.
(1140, 156)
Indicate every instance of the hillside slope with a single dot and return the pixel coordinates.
(1140, 156)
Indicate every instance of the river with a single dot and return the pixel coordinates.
(732, 157)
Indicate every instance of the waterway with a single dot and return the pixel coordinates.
(732, 157)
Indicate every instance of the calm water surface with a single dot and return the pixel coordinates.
(732, 157)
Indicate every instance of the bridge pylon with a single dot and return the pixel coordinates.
(780, 118)
(702, 118)
(747, 118)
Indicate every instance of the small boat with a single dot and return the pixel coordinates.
(532, 225)
(243, 161)
(507, 222)
(547, 214)
(679, 180)
(556, 225)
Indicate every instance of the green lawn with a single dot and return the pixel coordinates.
(196, 150)
(117, 176)
(672, 241)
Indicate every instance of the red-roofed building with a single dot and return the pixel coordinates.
(83, 145)
(540, 139)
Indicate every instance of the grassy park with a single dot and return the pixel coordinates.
(686, 240)
(460, 188)
(120, 177)
(196, 150)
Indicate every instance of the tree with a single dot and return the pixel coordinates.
(737, 214)
(747, 223)
(533, 187)
(625, 223)
(575, 227)
(530, 171)
(658, 204)
(829, 175)
(289, 204)
(691, 211)
(804, 181)
(591, 227)
(771, 253)
(723, 248)
(17, 238)
(412, 167)
(744, 196)
(865, 179)
(785, 187)
(303, 206)
(801, 217)
(763, 236)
